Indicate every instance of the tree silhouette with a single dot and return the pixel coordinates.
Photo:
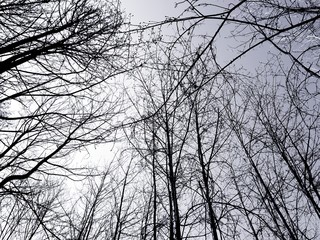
(57, 58)
(213, 147)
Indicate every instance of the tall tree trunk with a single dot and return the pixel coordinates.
(205, 178)
(172, 179)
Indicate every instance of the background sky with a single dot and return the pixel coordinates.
(145, 11)
(150, 10)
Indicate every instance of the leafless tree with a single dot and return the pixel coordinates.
(215, 150)
(58, 59)
(266, 118)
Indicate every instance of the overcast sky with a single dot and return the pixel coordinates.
(150, 10)
(155, 10)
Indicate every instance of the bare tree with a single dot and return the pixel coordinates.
(278, 135)
(174, 143)
(266, 118)
(215, 151)
(58, 59)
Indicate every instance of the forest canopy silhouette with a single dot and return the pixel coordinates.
(208, 121)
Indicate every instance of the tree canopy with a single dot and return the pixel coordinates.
(213, 119)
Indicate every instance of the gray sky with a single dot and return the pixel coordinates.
(145, 11)
(150, 10)
(226, 47)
